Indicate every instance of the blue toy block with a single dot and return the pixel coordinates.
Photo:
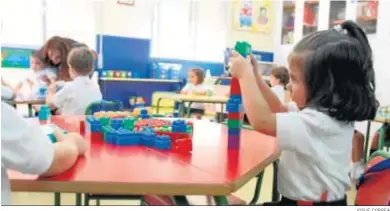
(44, 113)
(233, 106)
(93, 124)
(110, 136)
(116, 123)
(162, 142)
(148, 139)
(179, 126)
(148, 130)
(236, 98)
(128, 138)
(144, 112)
(144, 116)
(234, 131)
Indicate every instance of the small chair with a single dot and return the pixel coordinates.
(373, 185)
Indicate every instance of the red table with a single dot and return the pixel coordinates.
(211, 169)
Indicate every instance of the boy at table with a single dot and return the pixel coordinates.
(25, 148)
(75, 96)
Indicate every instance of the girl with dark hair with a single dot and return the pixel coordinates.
(332, 85)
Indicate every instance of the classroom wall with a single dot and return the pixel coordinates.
(259, 41)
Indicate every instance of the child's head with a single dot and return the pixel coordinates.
(279, 76)
(81, 62)
(196, 76)
(37, 62)
(332, 71)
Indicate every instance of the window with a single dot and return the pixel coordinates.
(191, 30)
(72, 19)
(210, 30)
(22, 23)
(172, 30)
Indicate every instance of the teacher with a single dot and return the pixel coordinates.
(55, 53)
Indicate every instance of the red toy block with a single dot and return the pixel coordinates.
(182, 145)
(82, 127)
(235, 115)
(95, 136)
(235, 87)
(174, 136)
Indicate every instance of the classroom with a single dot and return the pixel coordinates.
(195, 102)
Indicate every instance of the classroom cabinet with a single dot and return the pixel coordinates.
(301, 17)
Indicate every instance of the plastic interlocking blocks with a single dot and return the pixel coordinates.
(144, 114)
(234, 104)
(162, 142)
(179, 126)
(92, 124)
(44, 113)
(183, 145)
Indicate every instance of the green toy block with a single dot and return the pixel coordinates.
(105, 121)
(232, 123)
(166, 128)
(243, 48)
(189, 129)
(129, 123)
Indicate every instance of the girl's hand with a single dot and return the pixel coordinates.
(240, 65)
(52, 88)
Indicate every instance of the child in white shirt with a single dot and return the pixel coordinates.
(279, 79)
(25, 148)
(195, 86)
(75, 96)
(40, 77)
(332, 86)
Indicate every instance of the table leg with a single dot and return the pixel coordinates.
(181, 109)
(57, 199)
(158, 105)
(220, 119)
(181, 200)
(221, 200)
(30, 110)
(366, 143)
(382, 132)
(189, 110)
(78, 199)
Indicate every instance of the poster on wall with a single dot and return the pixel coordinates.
(253, 16)
(15, 57)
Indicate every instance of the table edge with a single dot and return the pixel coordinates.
(254, 171)
(118, 188)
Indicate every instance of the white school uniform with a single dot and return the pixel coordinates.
(6, 93)
(316, 155)
(24, 148)
(75, 96)
(195, 88)
(37, 79)
(279, 91)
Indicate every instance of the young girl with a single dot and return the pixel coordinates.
(332, 86)
(40, 75)
(279, 79)
(195, 86)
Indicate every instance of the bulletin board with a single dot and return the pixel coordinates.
(253, 16)
(15, 57)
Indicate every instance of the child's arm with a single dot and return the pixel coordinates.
(27, 149)
(56, 99)
(272, 99)
(257, 109)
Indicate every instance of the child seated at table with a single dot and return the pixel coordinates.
(195, 86)
(25, 148)
(315, 131)
(279, 79)
(75, 96)
(40, 76)
(7, 92)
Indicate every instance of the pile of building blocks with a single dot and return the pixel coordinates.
(130, 131)
(234, 105)
(112, 114)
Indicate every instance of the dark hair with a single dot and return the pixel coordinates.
(63, 46)
(282, 74)
(199, 72)
(81, 60)
(338, 72)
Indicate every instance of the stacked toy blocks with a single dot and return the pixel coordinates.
(234, 105)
